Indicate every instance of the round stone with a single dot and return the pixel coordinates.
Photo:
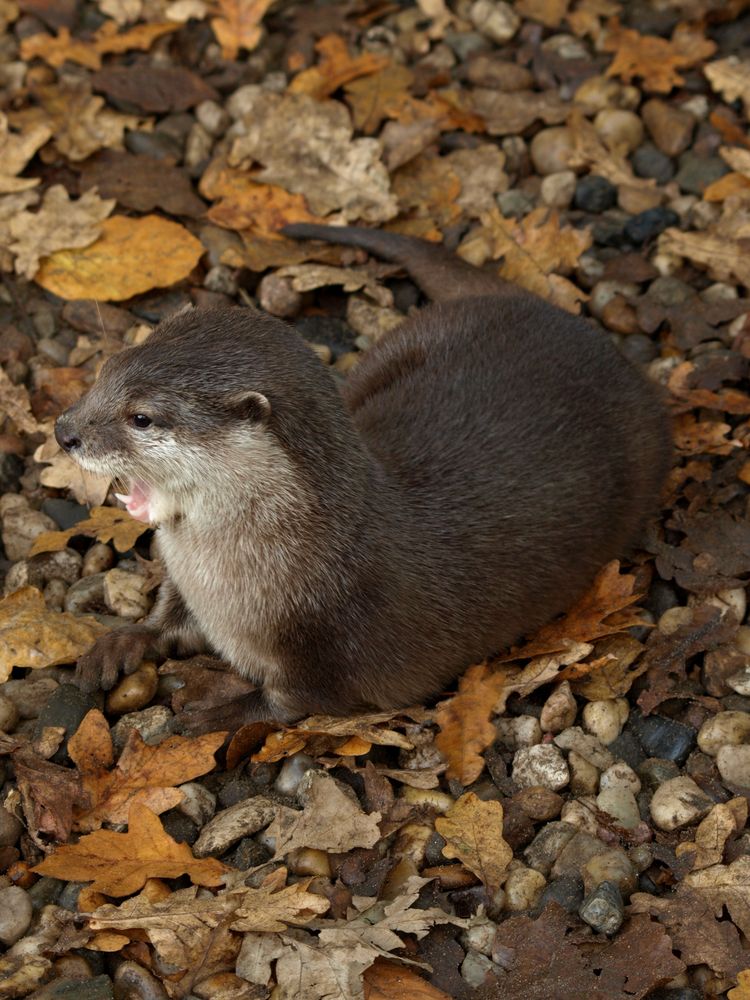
(621, 131)
(650, 162)
(649, 224)
(558, 189)
(670, 127)
(733, 763)
(10, 828)
(724, 729)
(595, 194)
(550, 151)
(678, 803)
(559, 710)
(603, 719)
(495, 19)
(15, 914)
(523, 888)
(620, 775)
(543, 765)
(620, 803)
(603, 909)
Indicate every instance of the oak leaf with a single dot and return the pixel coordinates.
(237, 25)
(242, 203)
(336, 67)
(377, 96)
(726, 886)
(105, 524)
(61, 473)
(590, 152)
(464, 721)
(61, 48)
(16, 151)
(321, 733)
(119, 864)
(550, 13)
(723, 257)
(655, 60)
(742, 989)
(702, 437)
(473, 830)
(59, 223)
(33, 636)
(131, 256)
(731, 78)
(15, 403)
(144, 774)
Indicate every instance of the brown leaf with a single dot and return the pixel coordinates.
(725, 820)
(655, 60)
(15, 403)
(473, 830)
(724, 258)
(142, 183)
(61, 472)
(550, 13)
(144, 774)
(243, 203)
(731, 77)
(336, 67)
(49, 794)
(33, 636)
(105, 524)
(730, 400)
(726, 886)
(16, 151)
(119, 864)
(511, 113)
(464, 721)
(377, 96)
(131, 256)
(702, 437)
(385, 980)
(326, 732)
(603, 610)
(238, 25)
(154, 88)
(61, 48)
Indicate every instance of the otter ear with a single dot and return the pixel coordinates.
(252, 406)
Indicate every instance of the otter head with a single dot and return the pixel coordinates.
(186, 416)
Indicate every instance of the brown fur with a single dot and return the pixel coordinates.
(359, 549)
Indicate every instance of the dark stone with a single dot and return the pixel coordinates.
(603, 909)
(99, 988)
(697, 172)
(608, 232)
(648, 161)
(180, 827)
(45, 891)
(66, 707)
(433, 852)
(662, 596)
(662, 737)
(627, 747)
(69, 896)
(65, 513)
(647, 225)
(247, 854)
(595, 194)
(566, 891)
(237, 788)
(11, 470)
(156, 144)
(681, 993)
(466, 902)
(655, 771)
(328, 330)
(639, 349)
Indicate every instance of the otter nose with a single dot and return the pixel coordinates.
(67, 440)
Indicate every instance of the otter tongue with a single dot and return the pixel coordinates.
(138, 502)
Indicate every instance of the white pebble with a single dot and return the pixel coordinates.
(678, 803)
(543, 765)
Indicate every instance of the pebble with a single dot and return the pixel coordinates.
(479, 936)
(230, 825)
(539, 803)
(639, 349)
(86, 595)
(514, 203)
(30, 695)
(584, 777)
(134, 691)
(9, 717)
(733, 763)
(124, 594)
(670, 127)
(566, 891)
(491, 70)
(152, 724)
(292, 772)
(66, 707)
(732, 601)
(724, 729)
(599, 92)
(519, 731)
(620, 775)
(605, 291)
(278, 297)
(621, 131)
(739, 683)
(98, 559)
(476, 967)
(649, 224)
(523, 888)
(586, 745)
(595, 194)
(544, 849)
(654, 772)
(697, 172)
(605, 719)
(198, 803)
(11, 470)
(21, 525)
(663, 737)
(64, 565)
(581, 812)
(543, 765)
(54, 594)
(212, 117)
(133, 982)
(557, 190)
(559, 710)
(650, 162)
(551, 149)
(10, 828)
(495, 20)
(16, 912)
(678, 803)
(603, 909)
(620, 803)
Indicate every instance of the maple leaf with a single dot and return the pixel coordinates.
(16, 151)
(131, 256)
(106, 524)
(144, 774)
(33, 636)
(655, 60)
(238, 25)
(473, 830)
(336, 68)
(119, 864)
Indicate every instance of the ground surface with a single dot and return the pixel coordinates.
(569, 823)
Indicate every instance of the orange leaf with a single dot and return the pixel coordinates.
(119, 864)
(655, 60)
(726, 186)
(238, 25)
(336, 68)
(106, 524)
(245, 204)
(464, 721)
(389, 981)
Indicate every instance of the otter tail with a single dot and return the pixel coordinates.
(440, 274)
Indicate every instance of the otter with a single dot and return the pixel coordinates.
(358, 547)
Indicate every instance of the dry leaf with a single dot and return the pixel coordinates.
(61, 48)
(242, 203)
(323, 733)
(119, 864)
(105, 524)
(144, 774)
(725, 820)
(336, 67)
(306, 277)
(464, 721)
(511, 113)
(550, 13)
(131, 256)
(58, 224)
(726, 886)
(238, 25)
(16, 151)
(330, 821)
(702, 437)
(731, 77)
(306, 147)
(655, 60)
(15, 403)
(61, 473)
(603, 610)
(590, 152)
(33, 636)
(377, 96)
(473, 830)
(724, 258)
(742, 989)
(387, 981)
(727, 400)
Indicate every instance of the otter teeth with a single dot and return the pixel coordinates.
(137, 502)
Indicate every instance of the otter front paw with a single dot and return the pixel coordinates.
(120, 651)
(229, 717)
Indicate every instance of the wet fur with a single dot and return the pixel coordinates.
(360, 548)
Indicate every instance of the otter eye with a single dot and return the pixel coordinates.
(140, 420)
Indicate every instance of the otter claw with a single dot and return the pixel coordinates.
(120, 651)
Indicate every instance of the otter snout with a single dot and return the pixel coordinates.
(66, 433)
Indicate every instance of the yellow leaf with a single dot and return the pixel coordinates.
(238, 25)
(33, 636)
(130, 257)
(106, 524)
(473, 830)
(742, 989)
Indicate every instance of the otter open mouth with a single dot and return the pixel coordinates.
(138, 501)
